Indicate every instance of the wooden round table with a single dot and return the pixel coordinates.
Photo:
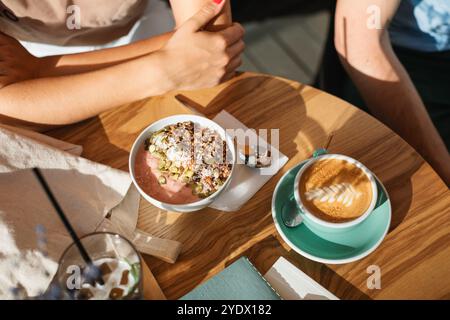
(414, 257)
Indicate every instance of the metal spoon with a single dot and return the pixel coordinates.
(255, 156)
(290, 214)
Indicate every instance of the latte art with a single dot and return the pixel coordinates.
(342, 192)
(335, 190)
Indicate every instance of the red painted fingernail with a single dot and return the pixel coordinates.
(218, 1)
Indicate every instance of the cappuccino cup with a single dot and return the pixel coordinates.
(334, 193)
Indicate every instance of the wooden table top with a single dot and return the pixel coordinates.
(414, 257)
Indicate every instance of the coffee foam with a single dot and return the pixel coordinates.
(335, 190)
(344, 193)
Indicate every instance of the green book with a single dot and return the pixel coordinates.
(239, 281)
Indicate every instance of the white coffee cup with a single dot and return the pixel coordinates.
(312, 220)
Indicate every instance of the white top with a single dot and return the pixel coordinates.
(156, 19)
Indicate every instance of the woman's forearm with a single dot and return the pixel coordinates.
(191, 59)
(99, 59)
(71, 98)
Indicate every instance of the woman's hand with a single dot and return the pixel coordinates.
(194, 58)
(16, 63)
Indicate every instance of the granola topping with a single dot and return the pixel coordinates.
(191, 154)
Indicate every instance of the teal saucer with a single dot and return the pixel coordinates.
(332, 248)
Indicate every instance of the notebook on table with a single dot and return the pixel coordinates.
(242, 281)
(239, 281)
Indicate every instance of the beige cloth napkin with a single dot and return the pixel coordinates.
(95, 198)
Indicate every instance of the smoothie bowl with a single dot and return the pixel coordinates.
(182, 163)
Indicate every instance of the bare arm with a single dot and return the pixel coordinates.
(72, 98)
(95, 60)
(41, 93)
(191, 59)
(385, 85)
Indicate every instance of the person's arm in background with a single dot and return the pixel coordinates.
(191, 59)
(383, 82)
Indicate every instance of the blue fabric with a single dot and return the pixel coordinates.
(422, 25)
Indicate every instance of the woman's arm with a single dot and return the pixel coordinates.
(191, 59)
(72, 98)
(385, 85)
(95, 60)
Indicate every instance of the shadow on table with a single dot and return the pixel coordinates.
(84, 201)
(280, 106)
(400, 192)
(92, 135)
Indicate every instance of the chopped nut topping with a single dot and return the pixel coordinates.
(192, 154)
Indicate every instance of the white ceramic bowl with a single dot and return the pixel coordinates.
(342, 225)
(158, 125)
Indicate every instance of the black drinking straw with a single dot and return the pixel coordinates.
(87, 259)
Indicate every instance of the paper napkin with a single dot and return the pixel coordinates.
(246, 181)
(293, 284)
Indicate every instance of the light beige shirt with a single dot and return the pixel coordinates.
(56, 21)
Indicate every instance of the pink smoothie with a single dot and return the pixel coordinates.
(147, 175)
